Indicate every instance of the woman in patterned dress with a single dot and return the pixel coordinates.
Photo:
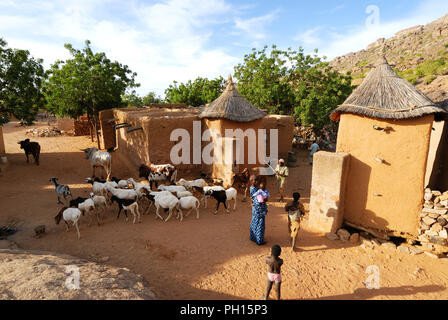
(259, 196)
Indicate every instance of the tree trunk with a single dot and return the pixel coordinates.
(89, 119)
(95, 119)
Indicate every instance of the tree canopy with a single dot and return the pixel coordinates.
(134, 100)
(195, 93)
(86, 84)
(291, 82)
(21, 78)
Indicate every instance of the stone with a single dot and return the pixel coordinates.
(437, 240)
(366, 243)
(423, 238)
(424, 226)
(39, 230)
(439, 211)
(436, 193)
(428, 246)
(428, 221)
(343, 234)
(443, 234)
(436, 200)
(442, 221)
(431, 233)
(403, 249)
(389, 245)
(436, 227)
(354, 238)
(376, 242)
(331, 236)
(415, 250)
(432, 255)
(433, 215)
(443, 197)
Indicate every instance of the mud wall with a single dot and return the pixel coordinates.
(329, 181)
(285, 126)
(107, 131)
(387, 171)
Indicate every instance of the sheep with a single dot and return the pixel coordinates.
(171, 188)
(69, 215)
(181, 194)
(189, 203)
(203, 191)
(89, 207)
(123, 193)
(122, 184)
(61, 190)
(99, 201)
(192, 183)
(32, 148)
(166, 201)
(138, 186)
(127, 205)
(99, 159)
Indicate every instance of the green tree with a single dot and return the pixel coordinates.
(291, 82)
(132, 100)
(21, 78)
(195, 93)
(86, 84)
(151, 97)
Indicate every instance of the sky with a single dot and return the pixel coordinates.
(169, 40)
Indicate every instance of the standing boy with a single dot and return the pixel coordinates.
(274, 275)
(281, 172)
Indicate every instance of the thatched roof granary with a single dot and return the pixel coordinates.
(386, 126)
(384, 95)
(232, 106)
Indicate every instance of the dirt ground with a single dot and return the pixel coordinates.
(209, 258)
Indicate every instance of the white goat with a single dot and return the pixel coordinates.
(69, 215)
(181, 194)
(189, 184)
(99, 159)
(189, 203)
(88, 206)
(231, 194)
(171, 188)
(99, 201)
(123, 193)
(166, 201)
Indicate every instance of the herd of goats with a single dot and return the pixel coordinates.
(131, 196)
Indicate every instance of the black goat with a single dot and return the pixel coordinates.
(30, 148)
(126, 204)
(220, 196)
(76, 201)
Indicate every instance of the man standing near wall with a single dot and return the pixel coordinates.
(281, 173)
(313, 149)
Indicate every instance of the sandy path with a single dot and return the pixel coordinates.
(209, 258)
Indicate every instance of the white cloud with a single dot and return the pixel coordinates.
(255, 27)
(162, 42)
(335, 43)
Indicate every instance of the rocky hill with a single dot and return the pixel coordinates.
(43, 275)
(419, 54)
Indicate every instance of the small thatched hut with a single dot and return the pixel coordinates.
(385, 125)
(231, 111)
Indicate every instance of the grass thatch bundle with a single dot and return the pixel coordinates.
(384, 95)
(232, 106)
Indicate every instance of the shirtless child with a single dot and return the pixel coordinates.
(274, 264)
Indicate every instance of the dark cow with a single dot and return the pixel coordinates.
(30, 148)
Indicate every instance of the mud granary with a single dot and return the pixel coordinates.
(392, 141)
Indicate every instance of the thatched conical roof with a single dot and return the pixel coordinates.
(232, 106)
(384, 95)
